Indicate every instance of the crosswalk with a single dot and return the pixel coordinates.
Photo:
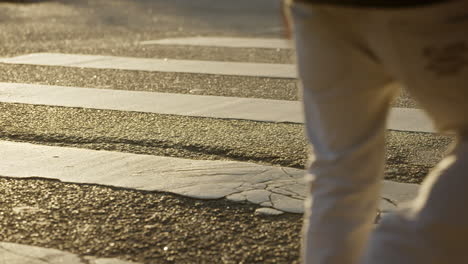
(275, 189)
(167, 103)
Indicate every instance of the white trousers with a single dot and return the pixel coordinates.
(346, 59)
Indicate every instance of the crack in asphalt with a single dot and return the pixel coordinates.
(390, 201)
(287, 173)
(269, 198)
(282, 194)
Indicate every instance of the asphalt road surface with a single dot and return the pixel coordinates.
(152, 227)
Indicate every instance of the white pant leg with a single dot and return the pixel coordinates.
(427, 49)
(434, 228)
(346, 104)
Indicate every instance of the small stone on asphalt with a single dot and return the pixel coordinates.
(268, 211)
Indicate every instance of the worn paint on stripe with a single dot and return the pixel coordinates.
(13, 253)
(269, 186)
(229, 42)
(409, 119)
(402, 119)
(269, 70)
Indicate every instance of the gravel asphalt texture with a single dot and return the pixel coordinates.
(139, 226)
(186, 83)
(409, 155)
(143, 227)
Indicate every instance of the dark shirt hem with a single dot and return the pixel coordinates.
(376, 3)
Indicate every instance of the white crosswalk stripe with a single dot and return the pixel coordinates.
(270, 186)
(157, 65)
(264, 43)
